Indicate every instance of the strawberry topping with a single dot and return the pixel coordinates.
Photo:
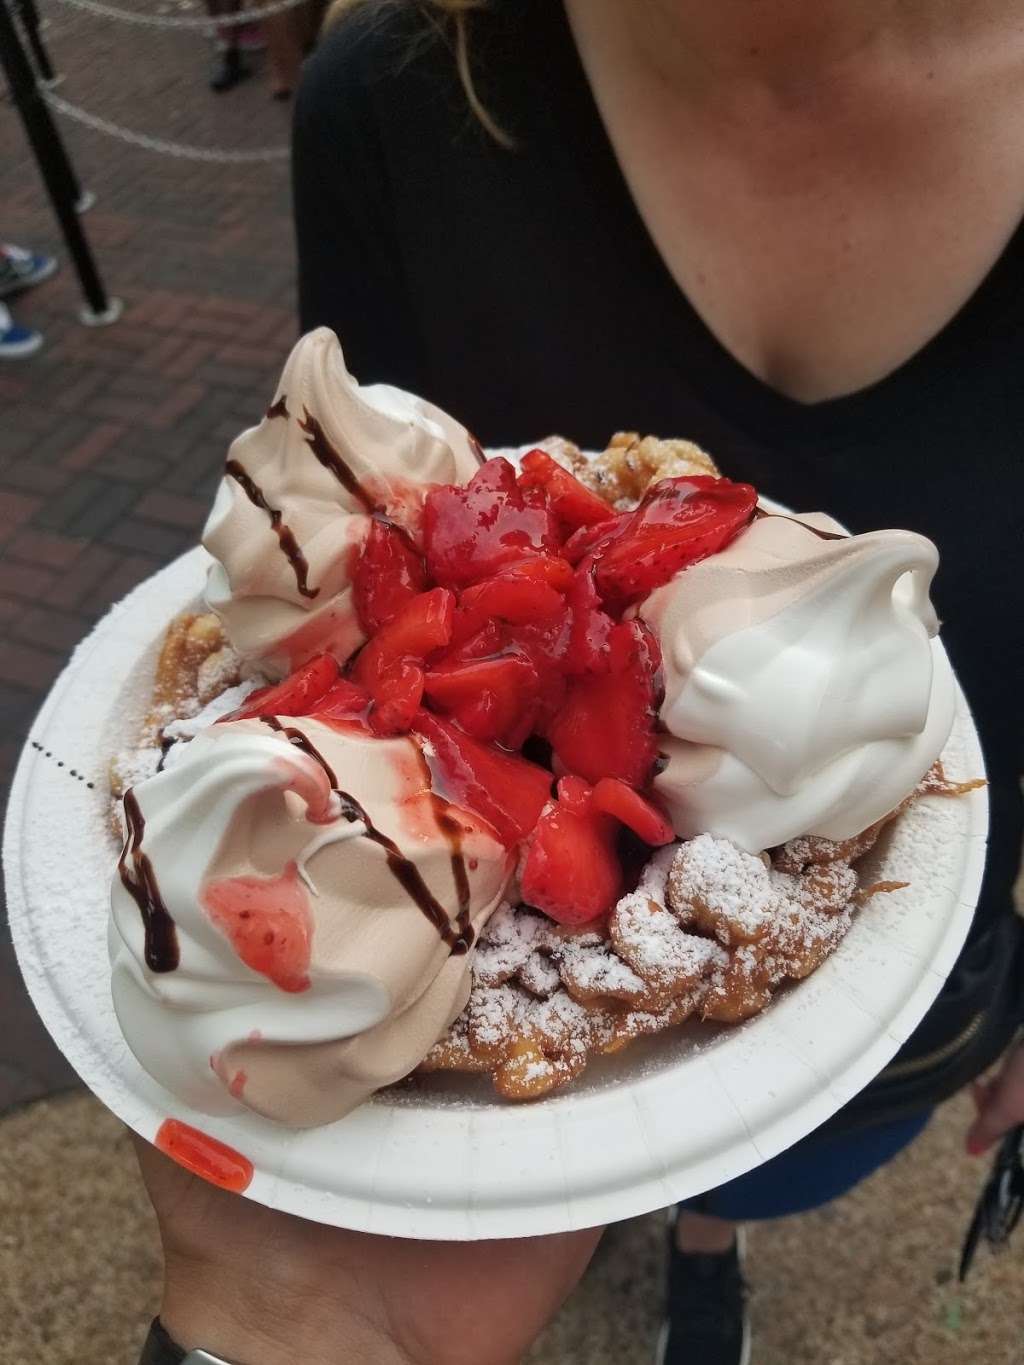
(422, 626)
(571, 871)
(679, 522)
(473, 532)
(605, 727)
(503, 789)
(296, 696)
(486, 696)
(341, 701)
(396, 698)
(508, 626)
(511, 597)
(573, 504)
(591, 626)
(631, 809)
(388, 574)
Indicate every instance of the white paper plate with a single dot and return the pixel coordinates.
(668, 1118)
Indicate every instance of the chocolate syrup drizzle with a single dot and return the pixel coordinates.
(477, 449)
(161, 937)
(459, 937)
(278, 409)
(323, 449)
(285, 536)
(760, 513)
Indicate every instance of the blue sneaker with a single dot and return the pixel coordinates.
(16, 342)
(20, 268)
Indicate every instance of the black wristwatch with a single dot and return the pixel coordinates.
(162, 1349)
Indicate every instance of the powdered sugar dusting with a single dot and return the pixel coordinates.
(135, 765)
(657, 946)
(187, 727)
(508, 943)
(591, 968)
(714, 879)
(709, 929)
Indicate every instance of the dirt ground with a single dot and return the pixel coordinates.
(867, 1281)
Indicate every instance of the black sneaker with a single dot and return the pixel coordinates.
(706, 1320)
(228, 70)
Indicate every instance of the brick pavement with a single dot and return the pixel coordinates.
(111, 439)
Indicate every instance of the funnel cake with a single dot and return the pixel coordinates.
(494, 767)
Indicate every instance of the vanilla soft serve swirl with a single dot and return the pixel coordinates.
(805, 692)
(367, 981)
(295, 503)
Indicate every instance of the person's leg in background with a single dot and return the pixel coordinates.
(229, 68)
(285, 33)
(20, 269)
(706, 1318)
(16, 342)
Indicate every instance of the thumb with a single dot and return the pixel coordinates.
(1000, 1105)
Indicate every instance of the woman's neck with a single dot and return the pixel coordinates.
(785, 46)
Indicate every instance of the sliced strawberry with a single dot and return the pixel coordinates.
(606, 726)
(679, 522)
(631, 809)
(494, 476)
(485, 717)
(501, 788)
(591, 626)
(503, 673)
(490, 718)
(549, 569)
(487, 696)
(507, 597)
(297, 695)
(530, 721)
(397, 697)
(574, 794)
(389, 573)
(589, 540)
(571, 871)
(573, 504)
(421, 626)
(467, 645)
(473, 532)
(344, 701)
(545, 645)
(544, 642)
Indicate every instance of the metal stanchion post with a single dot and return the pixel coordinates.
(30, 19)
(55, 168)
(26, 11)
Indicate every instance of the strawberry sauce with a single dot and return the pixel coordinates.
(204, 1156)
(268, 923)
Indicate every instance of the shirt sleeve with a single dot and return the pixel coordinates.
(350, 271)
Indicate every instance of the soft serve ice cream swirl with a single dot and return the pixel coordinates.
(805, 691)
(297, 495)
(291, 917)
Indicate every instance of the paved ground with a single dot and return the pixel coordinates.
(110, 439)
